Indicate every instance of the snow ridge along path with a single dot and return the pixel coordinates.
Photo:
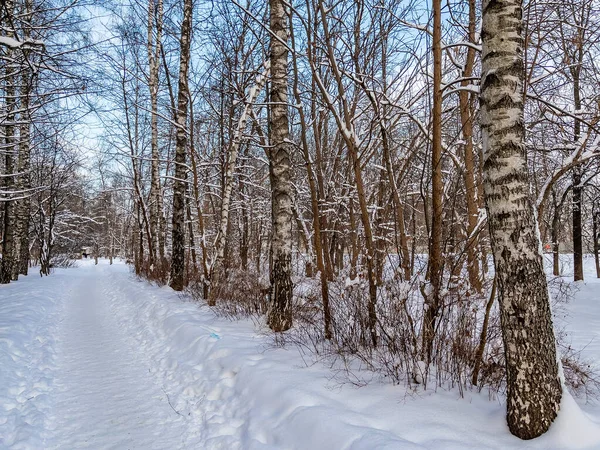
(93, 358)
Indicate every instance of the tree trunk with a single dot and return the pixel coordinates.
(21, 251)
(596, 246)
(155, 13)
(9, 150)
(554, 236)
(112, 250)
(216, 269)
(314, 202)
(555, 248)
(577, 226)
(466, 118)
(198, 204)
(398, 207)
(190, 231)
(433, 301)
(144, 216)
(280, 310)
(577, 188)
(533, 385)
(404, 255)
(483, 335)
(138, 239)
(178, 220)
(245, 221)
(345, 123)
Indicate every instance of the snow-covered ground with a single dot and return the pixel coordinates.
(93, 358)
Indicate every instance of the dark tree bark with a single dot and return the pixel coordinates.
(555, 243)
(314, 202)
(155, 22)
(433, 301)
(21, 262)
(574, 50)
(10, 150)
(178, 221)
(466, 117)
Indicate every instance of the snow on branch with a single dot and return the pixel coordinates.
(14, 44)
(577, 157)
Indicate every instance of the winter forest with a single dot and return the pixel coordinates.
(336, 224)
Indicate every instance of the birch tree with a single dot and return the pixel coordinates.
(233, 150)
(533, 385)
(280, 308)
(179, 186)
(9, 149)
(23, 182)
(155, 25)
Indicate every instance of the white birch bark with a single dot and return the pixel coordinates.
(533, 385)
(178, 219)
(9, 150)
(21, 250)
(155, 12)
(280, 309)
(234, 147)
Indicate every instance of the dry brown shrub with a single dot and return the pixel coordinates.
(240, 294)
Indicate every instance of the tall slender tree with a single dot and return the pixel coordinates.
(28, 76)
(280, 310)
(533, 385)
(466, 118)
(155, 25)
(178, 222)
(9, 148)
(436, 266)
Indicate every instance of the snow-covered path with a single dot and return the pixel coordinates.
(93, 358)
(105, 395)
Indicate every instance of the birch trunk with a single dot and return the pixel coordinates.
(9, 150)
(577, 226)
(155, 12)
(178, 222)
(221, 239)
(577, 188)
(280, 308)
(133, 140)
(43, 244)
(533, 385)
(190, 230)
(139, 240)
(199, 209)
(136, 237)
(555, 243)
(23, 182)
